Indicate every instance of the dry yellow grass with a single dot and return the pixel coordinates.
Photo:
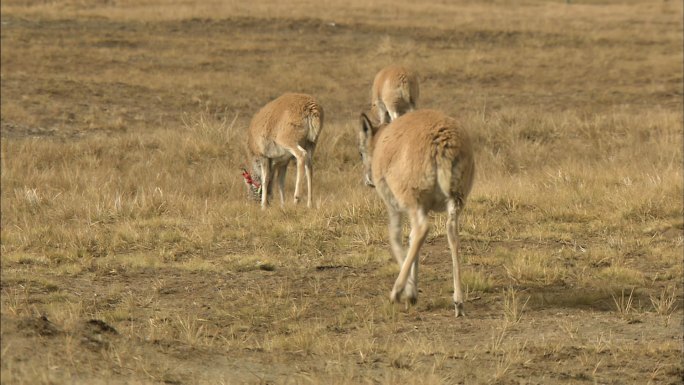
(123, 130)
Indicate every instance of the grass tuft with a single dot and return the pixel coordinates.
(513, 305)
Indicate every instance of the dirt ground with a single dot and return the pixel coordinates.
(75, 73)
(556, 341)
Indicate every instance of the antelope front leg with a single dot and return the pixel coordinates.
(394, 228)
(282, 171)
(452, 235)
(300, 156)
(411, 290)
(265, 181)
(419, 229)
(393, 114)
(381, 113)
(309, 176)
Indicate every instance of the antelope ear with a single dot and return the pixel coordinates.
(366, 125)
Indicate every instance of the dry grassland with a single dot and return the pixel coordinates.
(130, 254)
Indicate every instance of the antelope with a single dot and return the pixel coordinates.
(285, 128)
(421, 162)
(395, 91)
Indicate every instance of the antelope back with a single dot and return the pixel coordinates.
(289, 120)
(395, 85)
(422, 159)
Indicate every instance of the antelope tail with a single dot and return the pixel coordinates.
(409, 89)
(444, 175)
(314, 119)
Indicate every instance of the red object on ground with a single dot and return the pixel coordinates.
(249, 180)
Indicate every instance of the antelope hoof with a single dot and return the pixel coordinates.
(296, 200)
(395, 296)
(459, 309)
(411, 294)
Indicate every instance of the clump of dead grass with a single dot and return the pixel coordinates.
(665, 303)
(513, 305)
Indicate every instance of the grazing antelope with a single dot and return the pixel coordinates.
(420, 162)
(395, 92)
(285, 128)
